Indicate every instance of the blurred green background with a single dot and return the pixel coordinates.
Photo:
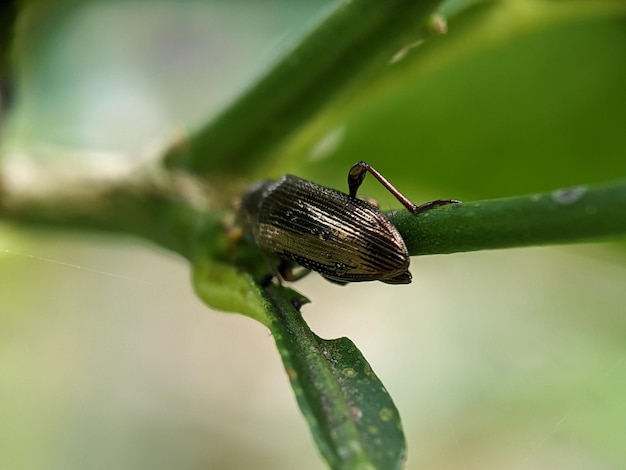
(512, 359)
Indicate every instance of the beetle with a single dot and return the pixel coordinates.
(342, 237)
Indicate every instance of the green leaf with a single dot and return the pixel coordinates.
(224, 288)
(352, 417)
(517, 97)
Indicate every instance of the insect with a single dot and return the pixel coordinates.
(342, 237)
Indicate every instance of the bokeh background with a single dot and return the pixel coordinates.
(507, 359)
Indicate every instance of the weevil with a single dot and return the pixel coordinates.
(342, 237)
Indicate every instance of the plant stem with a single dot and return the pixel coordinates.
(166, 208)
(578, 214)
(171, 210)
(355, 36)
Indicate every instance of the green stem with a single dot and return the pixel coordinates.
(357, 35)
(571, 215)
(168, 209)
(163, 213)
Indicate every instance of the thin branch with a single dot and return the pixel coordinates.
(172, 209)
(165, 207)
(355, 36)
(583, 213)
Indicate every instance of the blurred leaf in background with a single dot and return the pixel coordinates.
(510, 359)
(520, 96)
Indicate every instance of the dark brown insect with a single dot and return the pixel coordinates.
(342, 237)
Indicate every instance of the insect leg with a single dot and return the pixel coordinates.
(274, 271)
(289, 274)
(432, 204)
(357, 173)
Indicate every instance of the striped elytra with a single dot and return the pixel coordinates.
(343, 238)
